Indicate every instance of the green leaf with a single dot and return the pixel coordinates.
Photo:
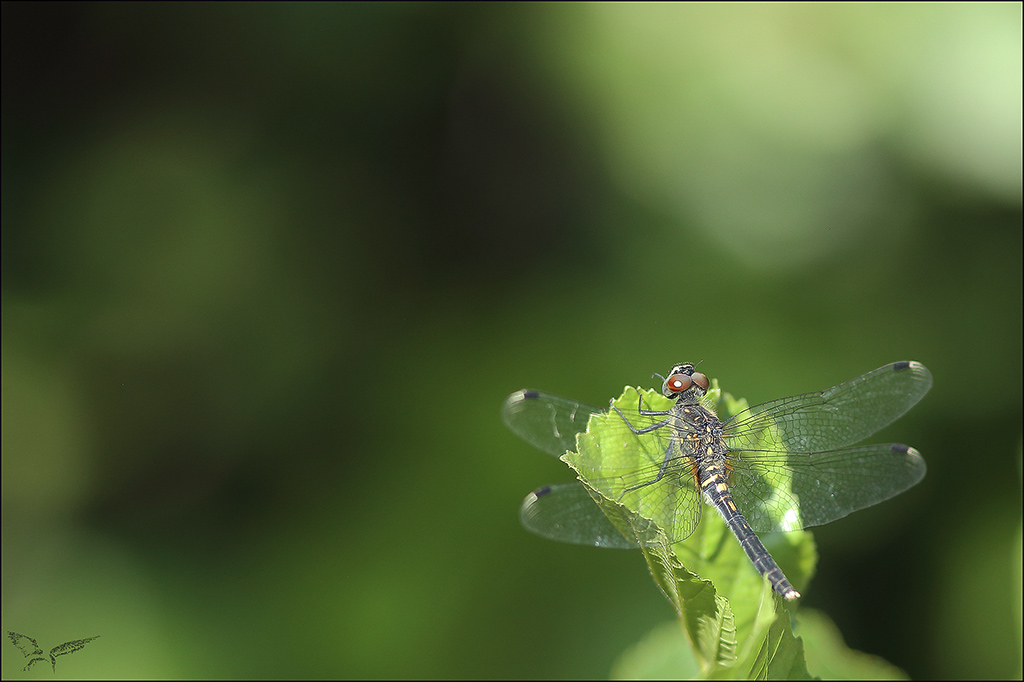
(771, 651)
(608, 459)
(706, 616)
(737, 626)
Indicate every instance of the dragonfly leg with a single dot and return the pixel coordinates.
(648, 413)
(646, 429)
(661, 472)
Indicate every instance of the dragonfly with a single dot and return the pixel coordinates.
(782, 465)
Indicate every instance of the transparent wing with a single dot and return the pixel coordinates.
(566, 512)
(833, 418)
(546, 421)
(648, 475)
(622, 466)
(781, 493)
(789, 461)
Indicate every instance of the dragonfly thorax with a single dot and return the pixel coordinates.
(698, 434)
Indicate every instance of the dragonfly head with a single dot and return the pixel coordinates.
(684, 379)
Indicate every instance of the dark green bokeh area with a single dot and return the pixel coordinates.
(269, 272)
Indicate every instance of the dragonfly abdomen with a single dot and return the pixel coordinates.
(717, 492)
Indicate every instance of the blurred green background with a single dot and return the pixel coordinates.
(270, 270)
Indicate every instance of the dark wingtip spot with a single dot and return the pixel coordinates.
(531, 395)
(540, 492)
(900, 449)
(900, 366)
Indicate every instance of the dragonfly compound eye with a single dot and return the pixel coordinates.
(701, 380)
(677, 383)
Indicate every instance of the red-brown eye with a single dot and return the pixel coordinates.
(701, 380)
(677, 383)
